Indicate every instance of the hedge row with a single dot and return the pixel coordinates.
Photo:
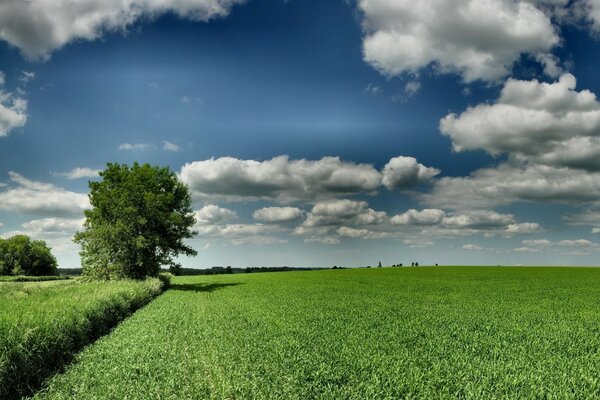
(43, 325)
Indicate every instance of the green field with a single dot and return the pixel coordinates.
(42, 325)
(427, 333)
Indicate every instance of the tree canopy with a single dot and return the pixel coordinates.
(20, 255)
(139, 220)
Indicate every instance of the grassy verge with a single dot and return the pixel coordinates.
(42, 325)
(413, 333)
(24, 278)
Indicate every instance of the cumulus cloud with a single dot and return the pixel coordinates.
(436, 222)
(577, 243)
(424, 217)
(13, 109)
(363, 233)
(343, 212)
(30, 197)
(546, 123)
(211, 214)
(402, 172)
(480, 40)
(277, 214)
(53, 225)
(285, 180)
(243, 233)
(278, 179)
(79, 172)
(509, 183)
(39, 27)
(523, 228)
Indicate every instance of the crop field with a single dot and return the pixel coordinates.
(43, 324)
(413, 333)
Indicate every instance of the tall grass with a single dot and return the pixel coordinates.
(42, 325)
(27, 278)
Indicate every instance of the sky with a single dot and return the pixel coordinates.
(314, 133)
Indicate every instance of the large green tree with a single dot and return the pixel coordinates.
(139, 220)
(20, 255)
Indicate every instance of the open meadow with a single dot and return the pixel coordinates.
(413, 333)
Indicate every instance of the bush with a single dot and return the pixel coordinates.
(165, 279)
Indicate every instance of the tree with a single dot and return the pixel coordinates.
(19, 255)
(139, 220)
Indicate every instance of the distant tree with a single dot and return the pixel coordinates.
(175, 269)
(139, 219)
(379, 265)
(229, 270)
(20, 255)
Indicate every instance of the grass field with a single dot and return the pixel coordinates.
(427, 333)
(43, 324)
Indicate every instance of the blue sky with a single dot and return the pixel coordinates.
(314, 133)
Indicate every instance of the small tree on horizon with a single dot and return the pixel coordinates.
(138, 222)
(20, 255)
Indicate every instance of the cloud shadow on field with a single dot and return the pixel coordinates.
(202, 287)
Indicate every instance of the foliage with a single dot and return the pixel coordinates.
(42, 325)
(20, 255)
(139, 220)
(389, 333)
(25, 278)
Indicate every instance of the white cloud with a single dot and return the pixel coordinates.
(479, 220)
(362, 233)
(238, 230)
(578, 243)
(54, 225)
(212, 214)
(134, 146)
(26, 76)
(13, 109)
(525, 249)
(79, 172)
(424, 217)
(328, 240)
(168, 146)
(39, 27)
(259, 240)
(537, 242)
(412, 87)
(524, 228)
(471, 246)
(509, 183)
(373, 89)
(343, 212)
(402, 172)
(285, 180)
(418, 243)
(478, 39)
(278, 179)
(36, 198)
(545, 123)
(277, 214)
